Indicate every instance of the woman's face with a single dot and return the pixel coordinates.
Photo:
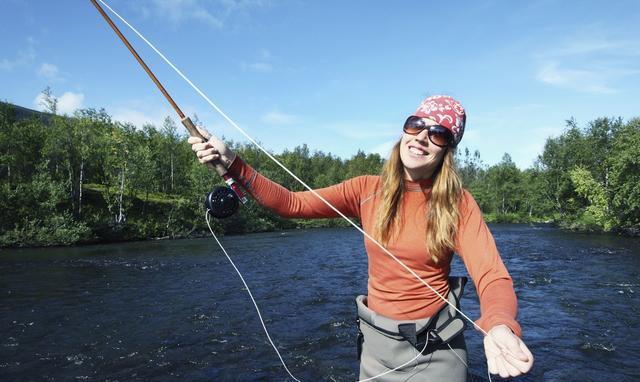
(419, 156)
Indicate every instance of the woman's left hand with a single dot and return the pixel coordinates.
(506, 354)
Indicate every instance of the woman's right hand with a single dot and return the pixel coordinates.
(211, 150)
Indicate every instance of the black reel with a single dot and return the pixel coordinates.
(222, 202)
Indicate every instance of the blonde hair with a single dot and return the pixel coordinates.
(442, 211)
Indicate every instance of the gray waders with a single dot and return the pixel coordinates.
(384, 343)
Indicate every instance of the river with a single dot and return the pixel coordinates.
(176, 310)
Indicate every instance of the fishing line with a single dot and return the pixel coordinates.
(253, 300)
(246, 135)
(275, 160)
(266, 331)
(264, 326)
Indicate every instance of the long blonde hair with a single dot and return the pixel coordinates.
(442, 212)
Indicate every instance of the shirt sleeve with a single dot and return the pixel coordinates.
(345, 196)
(476, 247)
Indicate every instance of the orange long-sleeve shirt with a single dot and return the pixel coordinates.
(392, 291)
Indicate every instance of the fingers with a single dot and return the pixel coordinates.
(209, 158)
(198, 145)
(507, 355)
(193, 140)
(526, 351)
(492, 365)
(201, 146)
(204, 150)
(207, 155)
(511, 370)
(502, 368)
(523, 365)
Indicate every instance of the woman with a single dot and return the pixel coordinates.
(419, 211)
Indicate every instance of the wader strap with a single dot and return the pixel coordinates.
(447, 324)
(408, 332)
(456, 285)
(441, 328)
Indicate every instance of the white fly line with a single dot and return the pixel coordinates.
(275, 160)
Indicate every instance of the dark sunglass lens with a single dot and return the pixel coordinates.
(414, 125)
(439, 136)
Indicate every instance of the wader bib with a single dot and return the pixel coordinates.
(384, 343)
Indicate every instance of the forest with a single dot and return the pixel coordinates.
(86, 178)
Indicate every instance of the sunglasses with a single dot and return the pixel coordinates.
(438, 135)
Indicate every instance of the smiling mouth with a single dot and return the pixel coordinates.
(417, 151)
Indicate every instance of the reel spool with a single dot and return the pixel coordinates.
(222, 202)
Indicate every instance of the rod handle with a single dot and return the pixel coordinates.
(194, 132)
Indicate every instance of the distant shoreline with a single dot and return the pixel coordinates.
(206, 234)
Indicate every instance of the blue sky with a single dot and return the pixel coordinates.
(336, 75)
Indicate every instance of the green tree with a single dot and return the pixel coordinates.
(363, 164)
(624, 177)
(503, 187)
(597, 211)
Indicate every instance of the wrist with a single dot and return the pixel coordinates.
(501, 329)
(227, 159)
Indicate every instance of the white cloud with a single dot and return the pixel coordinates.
(179, 11)
(39, 102)
(261, 63)
(70, 102)
(67, 103)
(49, 72)
(214, 13)
(139, 113)
(589, 62)
(277, 118)
(24, 57)
(590, 81)
(135, 117)
(261, 67)
(593, 45)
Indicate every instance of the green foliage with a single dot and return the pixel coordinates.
(624, 176)
(33, 213)
(597, 211)
(586, 178)
(86, 178)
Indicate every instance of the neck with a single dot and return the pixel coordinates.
(416, 176)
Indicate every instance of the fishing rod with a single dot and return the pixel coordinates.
(238, 194)
(221, 202)
(294, 176)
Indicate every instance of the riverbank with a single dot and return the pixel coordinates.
(87, 179)
(129, 232)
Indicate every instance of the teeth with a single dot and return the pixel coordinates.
(417, 151)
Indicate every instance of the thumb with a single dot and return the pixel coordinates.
(204, 132)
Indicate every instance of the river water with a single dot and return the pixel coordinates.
(176, 310)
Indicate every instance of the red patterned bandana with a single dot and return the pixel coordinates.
(445, 111)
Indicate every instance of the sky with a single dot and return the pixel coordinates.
(339, 76)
